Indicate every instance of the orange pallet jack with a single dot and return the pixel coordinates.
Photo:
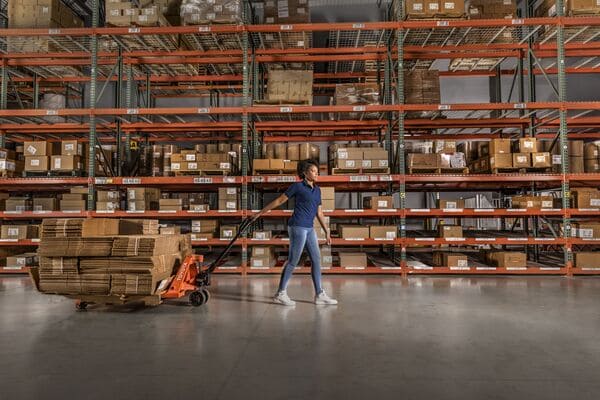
(193, 279)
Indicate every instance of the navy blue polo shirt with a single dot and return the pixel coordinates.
(308, 200)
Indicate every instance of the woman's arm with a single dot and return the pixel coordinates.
(272, 205)
(321, 219)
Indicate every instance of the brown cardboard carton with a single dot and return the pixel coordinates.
(71, 148)
(349, 163)
(508, 259)
(261, 164)
(498, 146)
(587, 260)
(426, 161)
(327, 193)
(262, 235)
(501, 161)
(415, 8)
(588, 230)
(229, 193)
(452, 8)
(277, 164)
(289, 86)
(19, 232)
(378, 202)
(528, 145)
(107, 206)
(327, 204)
(585, 198)
(199, 207)
(225, 204)
(451, 204)
(108, 195)
(72, 205)
(348, 153)
(18, 204)
(262, 262)
(228, 231)
(72, 196)
(44, 204)
(143, 194)
(38, 149)
(202, 236)
(65, 163)
(286, 11)
(450, 231)
(263, 251)
(92, 227)
(37, 163)
(541, 160)
(170, 204)
(432, 7)
(383, 232)
(205, 225)
(79, 190)
(353, 260)
(352, 232)
(22, 260)
(170, 230)
(450, 260)
(521, 160)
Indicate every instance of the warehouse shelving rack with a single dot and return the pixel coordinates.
(223, 61)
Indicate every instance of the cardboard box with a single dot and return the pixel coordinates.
(170, 230)
(22, 260)
(199, 207)
(261, 164)
(262, 262)
(353, 232)
(451, 204)
(37, 163)
(527, 145)
(17, 204)
(327, 204)
(225, 204)
(541, 160)
(19, 232)
(262, 235)
(452, 8)
(425, 161)
(521, 160)
(71, 148)
(170, 204)
(378, 202)
(383, 232)
(450, 260)
(588, 230)
(107, 206)
(65, 163)
(108, 195)
(504, 160)
(508, 259)
(143, 194)
(495, 146)
(37, 149)
(353, 260)
(263, 251)
(277, 164)
(72, 205)
(585, 198)
(349, 153)
(205, 225)
(229, 193)
(287, 11)
(92, 227)
(228, 231)
(73, 196)
(348, 163)
(415, 8)
(432, 7)
(326, 257)
(290, 86)
(450, 231)
(44, 204)
(587, 260)
(444, 146)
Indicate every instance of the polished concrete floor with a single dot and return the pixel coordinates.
(420, 338)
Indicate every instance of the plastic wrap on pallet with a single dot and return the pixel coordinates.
(456, 160)
(206, 12)
(53, 101)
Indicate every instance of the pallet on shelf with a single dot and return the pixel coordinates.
(259, 172)
(360, 171)
(514, 170)
(204, 172)
(438, 171)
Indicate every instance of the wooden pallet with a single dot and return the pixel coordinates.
(203, 172)
(146, 300)
(438, 171)
(10, 174)
(274, 172)
(520, 170)
(281, 103)
(360, 171)
(34, 174)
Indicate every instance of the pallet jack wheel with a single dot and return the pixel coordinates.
(206, 294)
(197, 298)
(81, 305)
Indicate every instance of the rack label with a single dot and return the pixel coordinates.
(516, 210)
(102, 181)
(257, 179)
(204, 29)
(460, 268)
(131, 181)
(424, 239)
(423, 210)
(444, 107)
(228, 179)
(359, 178)
(385, 178)
(455, 239)
(518, 21)
(485, 239)
(517, 239)
(443, 23)
(452, 210)
(516, 268)
(358, 26)
(359, 108)
(51, 112)
(520, 106)
(354, 211)
(203, 110)
(286, 27)
(134, 30)
(167, 211)
(203, 180)
(132, 111)
(53, 31)
(486, 268)
(285, 109)
(482, 210)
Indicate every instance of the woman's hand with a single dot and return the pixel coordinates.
(328, 238)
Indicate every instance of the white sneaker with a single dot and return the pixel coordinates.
(323, 299)
(283, 299)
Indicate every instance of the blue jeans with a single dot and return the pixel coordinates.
(300, 237)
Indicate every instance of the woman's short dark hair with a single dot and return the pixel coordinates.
(304, 165)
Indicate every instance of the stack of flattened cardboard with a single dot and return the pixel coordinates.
(61, 227)
(142, 246)
(76, 247)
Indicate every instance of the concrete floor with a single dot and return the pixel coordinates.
(421, 338)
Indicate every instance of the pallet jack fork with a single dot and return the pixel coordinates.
(192, 278)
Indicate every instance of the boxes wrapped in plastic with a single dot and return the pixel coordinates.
(195, 12)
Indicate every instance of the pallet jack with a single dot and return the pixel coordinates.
(192, 278)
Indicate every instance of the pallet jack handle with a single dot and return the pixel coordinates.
(241, 230)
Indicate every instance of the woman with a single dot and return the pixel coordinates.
(301, 231)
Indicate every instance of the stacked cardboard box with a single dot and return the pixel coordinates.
(286, 12)
(422, 86)
(274, 166)
(389, 232)
(356, 94)
(37, 156)
(38, 14)
(193, 161)
(126, 13)
(500, 154)
(585, 198)
(228, 231)
(327, 198)
(492, 9)
(108, 200)
(262, 235)
(585, 230)
(17, 204)
(203, 229)
(576, 152)
(532, 201)
(450, 260)
(194, 12)
(353, 232)
(591, 160)
(44, 204)
(75, 200)
(69, 159)
(507, 259)
(142, 199)
(450, 231)
(22, 260)
(365, 158)
(353, 260)
(10, 165)
(229, 198)
(451, 204)
(378, 202)
(289, 87)
(263, 257)
(170, 204)
(61, 227)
